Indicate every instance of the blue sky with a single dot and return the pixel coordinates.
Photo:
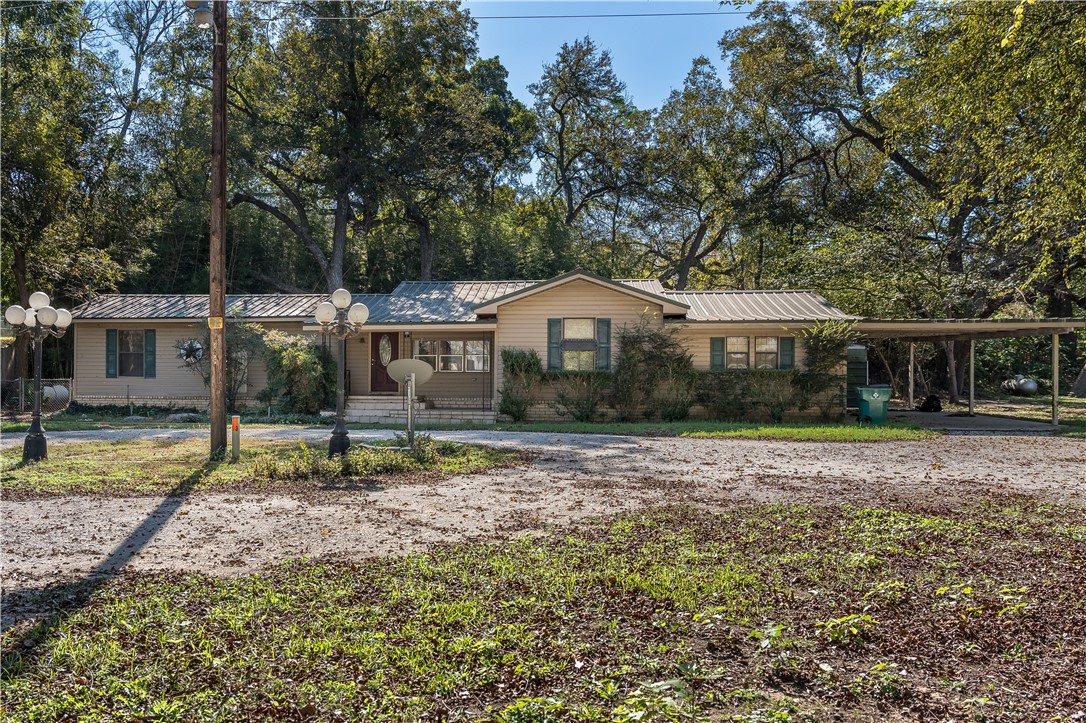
(651, 55)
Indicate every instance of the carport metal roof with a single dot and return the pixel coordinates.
(963, 329)
(914, 330)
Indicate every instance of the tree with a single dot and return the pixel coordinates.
(587, 128)
(51, 101)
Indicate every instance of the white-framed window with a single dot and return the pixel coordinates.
(454, 355)
(130, 352)
(738, 352)
(765, 352)
(578, 344)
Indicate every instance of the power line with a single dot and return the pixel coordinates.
(561, 17)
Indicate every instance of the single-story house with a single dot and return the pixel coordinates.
(125, 343)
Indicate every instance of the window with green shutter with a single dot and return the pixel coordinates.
(787, 346)
(603, 344)
(554, 343)
(716, 353)
(149, 354)
(111, 353)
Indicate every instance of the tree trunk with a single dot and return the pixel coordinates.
(341, 217)
(20, 354)
(952, 371)
(1079, 387)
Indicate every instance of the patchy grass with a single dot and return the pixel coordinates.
(736, 430)
(844, 432)
(772, 613)
(181, 466)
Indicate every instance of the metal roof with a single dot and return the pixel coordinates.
(195, 306)
(419, 302)
(757, 306)
(415, 302)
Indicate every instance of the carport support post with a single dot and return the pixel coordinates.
(912, 364)
(972, 373)
(1056, 380)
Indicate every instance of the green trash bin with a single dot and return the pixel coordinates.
(872, 403)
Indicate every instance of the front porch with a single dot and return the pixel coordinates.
(392, 409)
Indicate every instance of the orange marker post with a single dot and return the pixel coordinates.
(235, 442)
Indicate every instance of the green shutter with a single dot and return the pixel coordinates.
(554, 343)
(149, 353)
(716, 353)
(111, 353)
(786, 345)
(603, 344)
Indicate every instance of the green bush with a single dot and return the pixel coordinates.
(725, 394)
(301, 374)
(654, 373)
(302, 464)
(522, 371)
(579, 394)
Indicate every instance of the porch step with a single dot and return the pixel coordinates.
(375, 403)
(449, 416)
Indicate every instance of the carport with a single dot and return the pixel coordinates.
(944, 330)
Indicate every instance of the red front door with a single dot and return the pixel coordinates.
(384, 348)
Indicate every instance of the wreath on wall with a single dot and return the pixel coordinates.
(190, 351)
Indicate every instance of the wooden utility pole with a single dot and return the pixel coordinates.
(217, 271)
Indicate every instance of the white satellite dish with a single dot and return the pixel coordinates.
(401, 369)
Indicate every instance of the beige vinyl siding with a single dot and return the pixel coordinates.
(696, 338)
(523, 324)
(173, 382)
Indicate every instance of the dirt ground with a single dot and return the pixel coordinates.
(573, 478)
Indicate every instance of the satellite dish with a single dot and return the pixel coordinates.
(401, 369)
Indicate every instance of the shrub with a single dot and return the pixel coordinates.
(579, 394)
(654, 373)
(522, 371)
(725, 394)
(302, 464)
(301, 374)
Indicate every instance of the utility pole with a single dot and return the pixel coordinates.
(217, 263)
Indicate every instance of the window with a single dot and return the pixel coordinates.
(454, 355)
(770, 352)
(765, 352)
(738, 352)
(451, 358)
(130, 353)
(477, 356)
(578, 344)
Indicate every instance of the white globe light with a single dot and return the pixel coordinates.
(39, 299)
(341, 298)
(64, 318)
(15, 314)
(325, 313)
(358, 313)
(31, 317)
(47, 315)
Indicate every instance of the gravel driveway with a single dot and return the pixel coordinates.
(574, 477)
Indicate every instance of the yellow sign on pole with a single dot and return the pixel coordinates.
(214, 322)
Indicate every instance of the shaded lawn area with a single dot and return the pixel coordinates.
(158, 466)
(1037, 409)
(771, 613)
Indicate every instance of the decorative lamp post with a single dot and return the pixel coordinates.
(39, 321)
(341, 319)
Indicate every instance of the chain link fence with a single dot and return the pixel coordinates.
(17, 395)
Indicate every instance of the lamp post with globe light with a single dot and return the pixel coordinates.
(341, 319)
(39, 321)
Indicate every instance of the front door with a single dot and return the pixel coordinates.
(384, 349)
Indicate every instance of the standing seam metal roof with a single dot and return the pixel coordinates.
(414, 302)
(757, 306)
